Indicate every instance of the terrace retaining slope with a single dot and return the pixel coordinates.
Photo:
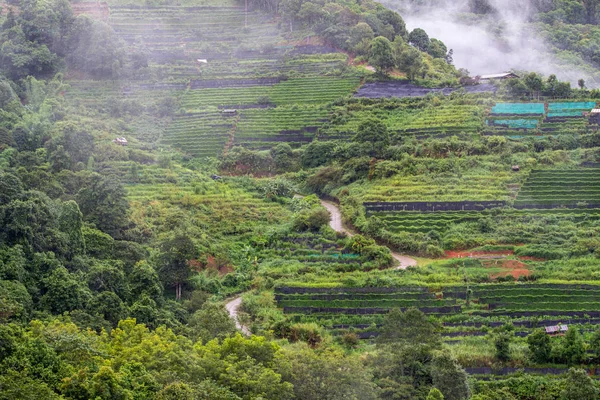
(405, 89)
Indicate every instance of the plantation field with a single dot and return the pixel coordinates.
(518, 120)
(553, 188)
(294, 91)
(296, 124)
(441, 187)
(172, 33)
(200, 134)
(524, 306)
(405, 120)
(205, 204)
(426, 221)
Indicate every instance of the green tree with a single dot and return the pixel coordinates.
(15, 303)
(375, 132)
(449, 377)
(176, 391)
(409, 60)
(534, 83)
(109, 306)
(144, 280)
(502, 345)
(317, 153)
(361, 33)
(419, 38)
(572, 349)
(173, 267)
(95, 48)
(108, 276)
(103, 201)
(539, 346)
(437, 49)
(64, 292)
(382, 55)
(435, 394)
(105, 385)
(311, 219)
(326, 375)
(10, 188)
(18, 386)
(409, 328)
(211, 321)
(579, 386)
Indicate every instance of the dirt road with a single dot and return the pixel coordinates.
(232, 307)
(337, 225)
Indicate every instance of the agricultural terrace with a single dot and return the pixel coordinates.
(406, 118)
(189, 33)
(553, 213)
(468, 315)
(203, 205)
(442, 221)
(267, 112)
(556, 188)
(482, 184)
(517, 120)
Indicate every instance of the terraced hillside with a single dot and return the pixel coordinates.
(525, 308)
(518, 120)
(556, 188)
(206, 59)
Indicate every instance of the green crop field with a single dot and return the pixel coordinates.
(554, 187)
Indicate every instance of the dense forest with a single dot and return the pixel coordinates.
(167, 162)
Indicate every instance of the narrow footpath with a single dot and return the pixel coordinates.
(337, 225)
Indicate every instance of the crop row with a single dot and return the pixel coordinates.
(383, 303)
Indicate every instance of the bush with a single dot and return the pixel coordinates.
(309, 333)
(311, 220)
(350, 339)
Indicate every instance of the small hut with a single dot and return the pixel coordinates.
(493, 77)
(557, 329)
(516, 168)
(121, 141)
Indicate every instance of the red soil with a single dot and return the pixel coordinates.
(475, 254)
(514, 268)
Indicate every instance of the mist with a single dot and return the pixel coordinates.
(476, 44)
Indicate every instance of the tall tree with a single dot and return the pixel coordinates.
(579, 386)
(381, 55)
(376, 133)
(420, 39)
(449, 377)
(173, 261)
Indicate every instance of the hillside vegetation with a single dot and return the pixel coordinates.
(165, 158)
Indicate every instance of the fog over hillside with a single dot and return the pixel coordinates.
(485, 45)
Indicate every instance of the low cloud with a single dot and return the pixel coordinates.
(504, 41)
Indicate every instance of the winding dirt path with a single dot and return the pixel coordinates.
(232, 307)
(337, 225)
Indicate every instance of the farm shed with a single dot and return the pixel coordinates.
(121, 140)
(556, 329)
(505, 75)
(229, 111)
(595, 116)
